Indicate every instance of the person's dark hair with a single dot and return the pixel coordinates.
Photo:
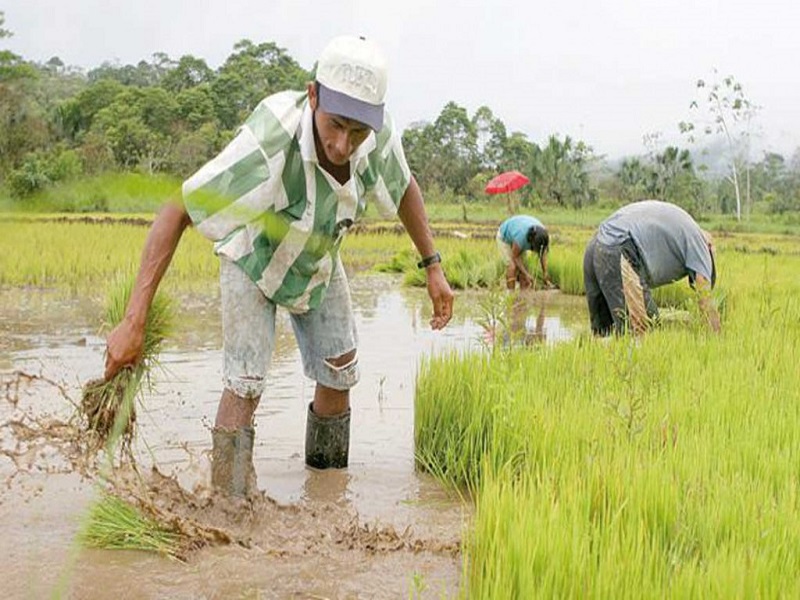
(539, 239)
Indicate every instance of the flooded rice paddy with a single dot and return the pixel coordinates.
(376, 530)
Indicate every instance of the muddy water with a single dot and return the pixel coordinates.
(376, 530)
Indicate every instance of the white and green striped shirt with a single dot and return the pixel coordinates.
(270, 208)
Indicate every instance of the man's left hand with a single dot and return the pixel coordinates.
(441, 296)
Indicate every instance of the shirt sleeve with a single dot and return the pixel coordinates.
(389, 175)
(698, 257)
(230, 190)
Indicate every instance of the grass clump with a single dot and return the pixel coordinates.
(109, 407)
(113, 523)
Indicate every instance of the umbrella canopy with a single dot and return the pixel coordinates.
(506, 182)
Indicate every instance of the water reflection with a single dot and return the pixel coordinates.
(329, 487)
(526, 318)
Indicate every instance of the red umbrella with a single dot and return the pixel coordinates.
(506, 182)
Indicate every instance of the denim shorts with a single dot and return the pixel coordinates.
(248, 331)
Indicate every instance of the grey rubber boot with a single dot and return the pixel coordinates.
(232, 470)
(327, 440)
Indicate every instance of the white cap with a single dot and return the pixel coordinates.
(352, 74)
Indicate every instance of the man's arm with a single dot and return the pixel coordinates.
(706, 302)
(516, 255)
(415, 220)
(543, 263)
(125, 343)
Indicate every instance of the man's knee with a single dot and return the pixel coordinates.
(246, 386)
(340, 372)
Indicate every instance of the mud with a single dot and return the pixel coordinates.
(375, 530)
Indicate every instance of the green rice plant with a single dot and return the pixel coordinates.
(466, 268)
(80, 256)
(113, 523)
(674, 295)
(660, 466)
(565, 266)
(454, 439)
(403, 261)
(109, 407)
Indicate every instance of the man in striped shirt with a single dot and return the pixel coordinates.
(276, 202)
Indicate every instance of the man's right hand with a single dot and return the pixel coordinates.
(124, 347)
(125, 343)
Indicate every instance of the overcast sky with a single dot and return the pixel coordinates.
(605, 71)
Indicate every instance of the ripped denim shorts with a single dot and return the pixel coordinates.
(248, 330)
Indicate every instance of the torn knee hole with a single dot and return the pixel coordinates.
(246, 387)
(342, 362)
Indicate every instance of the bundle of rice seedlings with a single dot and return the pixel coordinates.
(113, 523)
(110, 406)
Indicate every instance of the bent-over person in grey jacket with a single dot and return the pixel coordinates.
(640, 247)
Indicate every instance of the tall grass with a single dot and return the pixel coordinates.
(83, 257)
(664, 466)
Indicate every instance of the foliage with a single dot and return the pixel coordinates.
(252, 72)
(728, 113)
(159, 116)
(444, 152)
(3, 32)
(667, 174)
(166, 115)
(458, 153)
(38, 170)
(560, 172)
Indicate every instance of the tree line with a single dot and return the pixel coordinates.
(170, 116)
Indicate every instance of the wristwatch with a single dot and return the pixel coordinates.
(430, 260)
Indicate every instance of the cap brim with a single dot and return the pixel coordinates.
(343, 105)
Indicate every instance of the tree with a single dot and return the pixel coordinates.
(561, 172)
(634, 177)
(776, 182)
(731, 114)
(420, 149)
(23, 124)
(12, 67)
(251, 73)
(457, 147)
(667, 167)
(76, 115)
(4, 33)
(188, 73)
(519, 154)
(195, 107)
(139, 127)
(143, 74)
(491, 136)
(444, 153)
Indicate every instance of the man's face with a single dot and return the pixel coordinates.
(338, 137)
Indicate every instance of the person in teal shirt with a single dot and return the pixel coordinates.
(517, 235)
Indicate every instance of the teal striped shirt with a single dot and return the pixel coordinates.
(270, 208)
